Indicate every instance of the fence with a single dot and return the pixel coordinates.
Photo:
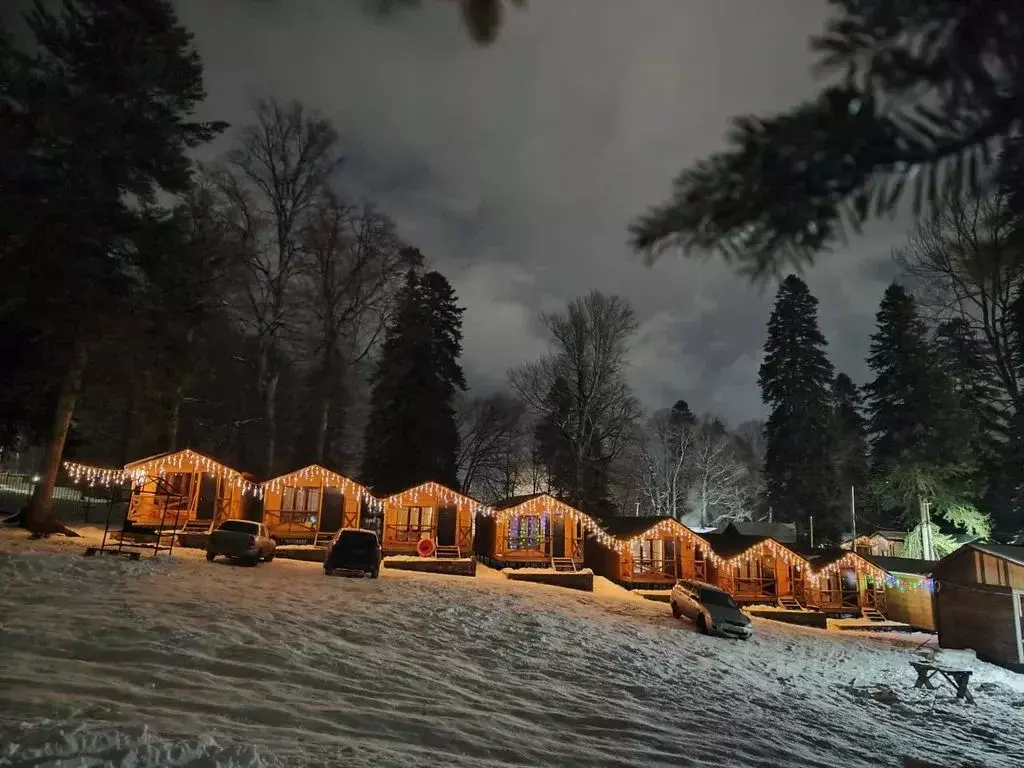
(72, 503)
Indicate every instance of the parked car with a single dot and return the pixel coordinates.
(353, 552)
(710, 608)
(241, 540)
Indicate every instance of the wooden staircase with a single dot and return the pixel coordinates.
(872, 614)
(196, 526)
(447, 552)
(563, 564)
(323, 539)
(790, 603)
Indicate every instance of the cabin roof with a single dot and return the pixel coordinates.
(1002, 551)
(906, 565)
(311, 469)
(783, 533)
(166, 454)
(432, 486)
(825, 557)
(515, 501)
(730, 544)
(628, 527)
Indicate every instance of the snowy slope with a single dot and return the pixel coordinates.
(184, 662)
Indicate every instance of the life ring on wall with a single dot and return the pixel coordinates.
(425, 547)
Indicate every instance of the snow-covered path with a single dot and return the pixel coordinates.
(187, 663)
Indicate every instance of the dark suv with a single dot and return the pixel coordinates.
(353, 552)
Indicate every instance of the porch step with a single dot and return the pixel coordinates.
(564, 564)
(196, 526)
(790, 604)
(872, 614)
(323, 538)
(447, 553)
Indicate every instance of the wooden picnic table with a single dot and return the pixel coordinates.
(958, 678)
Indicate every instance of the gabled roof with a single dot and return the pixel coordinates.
(1002, 551)
(631, 527)
(906, 565)
(832, 556)
(313, 470)
(784, 533)
(442, 491)
(730, 543)
(515, 501)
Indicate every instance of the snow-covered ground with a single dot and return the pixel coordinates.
(184, 662)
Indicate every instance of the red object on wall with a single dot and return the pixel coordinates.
(425, 547)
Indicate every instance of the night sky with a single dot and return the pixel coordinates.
(517, 168)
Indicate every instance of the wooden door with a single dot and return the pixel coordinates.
(207, 504)
(558, 536)
(671, 564)
(447, 521)
(331, 506)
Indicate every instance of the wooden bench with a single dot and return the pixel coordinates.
(958, 678)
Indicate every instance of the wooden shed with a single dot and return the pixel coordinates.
(979, 602)
(647, 552)
(846, 583)
(533, 531)
(757, 569)
(909, 593)
(311, 504)
(185, 489)
(430, 511)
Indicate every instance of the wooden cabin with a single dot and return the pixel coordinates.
(756, 568)
(846, 583)
(979, 600)
(647, 552)
(533, 531)
(430, 511)
(311, 504)
(186, 489)
(878, 543)
(909, 591)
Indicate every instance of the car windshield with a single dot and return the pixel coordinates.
(242, 526)
(714, 597)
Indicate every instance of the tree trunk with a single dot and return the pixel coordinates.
(40, 517)
(270, 419)
(321, 428)
(174, 418)
(127, 422)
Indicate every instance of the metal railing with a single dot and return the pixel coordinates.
(408, 534)
(659, 567)
(71, 503)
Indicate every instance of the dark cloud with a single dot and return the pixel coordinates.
(517, 168)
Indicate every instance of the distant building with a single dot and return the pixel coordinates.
(784, 533)
(889, 543)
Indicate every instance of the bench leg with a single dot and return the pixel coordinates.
(924, 679)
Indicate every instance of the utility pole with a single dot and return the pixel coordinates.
(812, 531)
(853, 517)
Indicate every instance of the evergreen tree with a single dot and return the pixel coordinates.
(551, 439)
(849, 443)
(412, 435)
(796, 382)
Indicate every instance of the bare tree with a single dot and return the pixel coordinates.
(665, 458)
(351, 267)
(492, 460)
(597, 410)
(968, 267)
(273, 180)
(721, 487)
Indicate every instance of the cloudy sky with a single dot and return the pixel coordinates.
(517, 168)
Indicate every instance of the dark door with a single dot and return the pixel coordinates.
(330, 510)
(558, 536)
(670, 557)
(207, 497)
(253, 507)
(446, 519)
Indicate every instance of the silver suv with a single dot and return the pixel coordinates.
(710, 608)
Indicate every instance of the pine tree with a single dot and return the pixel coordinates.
(849, 443)
(412, 435)
(796, 381)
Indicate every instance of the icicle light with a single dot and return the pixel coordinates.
(316, 473)
(412, 497)
(95, 476)
(188, 460)
(549, 505)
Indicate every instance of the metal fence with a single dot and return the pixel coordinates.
(72, 503)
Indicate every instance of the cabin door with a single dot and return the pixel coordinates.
(330, 510)
(447, 519)
(850, 588)
(207, 497)
(671, 565)
(558, 535)
(253, 508)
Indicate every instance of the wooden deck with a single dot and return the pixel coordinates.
(568, 579)
(461, 567)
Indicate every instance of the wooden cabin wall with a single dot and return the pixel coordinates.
(980, 618)
(351, 509)
(272, 507)
(971, 566)
(485, 544)
(910, 601)
(602, 560)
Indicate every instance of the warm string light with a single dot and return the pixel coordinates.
(94, 476)
(188, 460)
(849, 560)
(549, 505)
(411, 497)
(314, 472)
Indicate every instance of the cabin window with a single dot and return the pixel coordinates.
(414, 523)
(527, 532)
(649, 556)
(300, 505)
(174, 488)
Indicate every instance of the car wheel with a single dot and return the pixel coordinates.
(252, 562)
(374, 574)
(702, 623)
(269, 558)
(210, 556)
(676, 613)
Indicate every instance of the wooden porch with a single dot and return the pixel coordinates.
(536, 531)
(311, 504)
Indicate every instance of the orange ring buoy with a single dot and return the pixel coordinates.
(425, 547)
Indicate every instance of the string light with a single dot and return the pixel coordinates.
(318, 474)
(93, 476)
(546, 504)
(412, 497)
(188, 460)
